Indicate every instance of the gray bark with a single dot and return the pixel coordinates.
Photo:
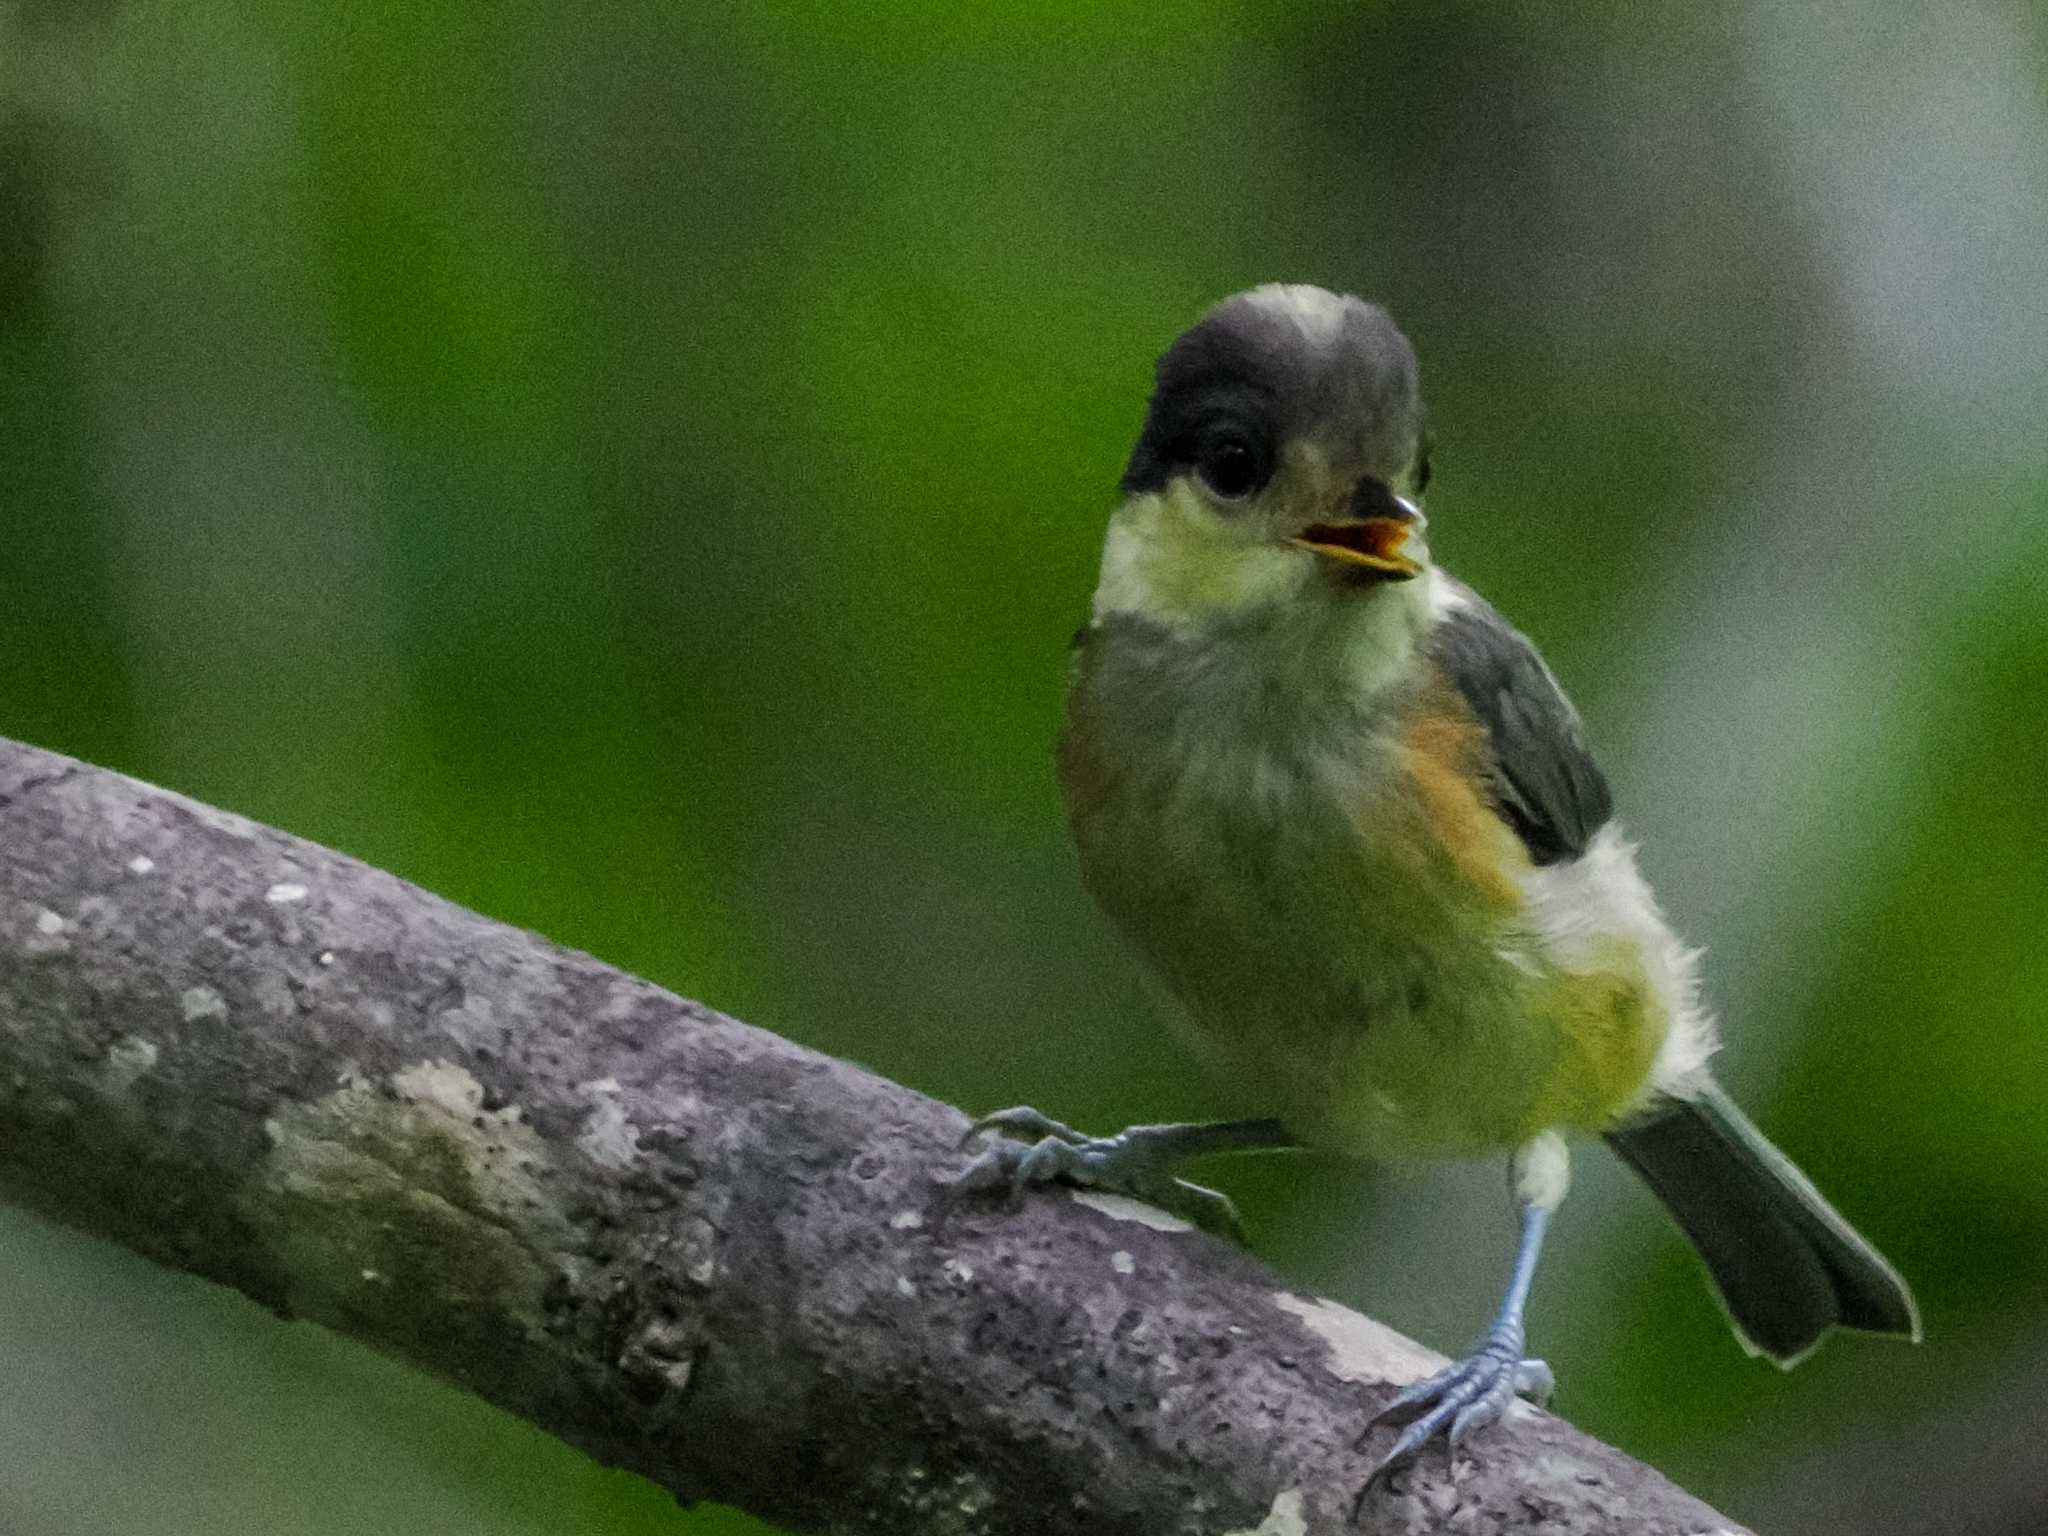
(684, 1245)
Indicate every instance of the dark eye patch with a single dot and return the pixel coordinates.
(1251, 362)
(1234, 460)
(1198, 423)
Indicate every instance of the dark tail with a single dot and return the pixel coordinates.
(1785, 1264)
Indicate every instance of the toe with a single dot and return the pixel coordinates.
(1036, 1149)
(1409, 1443)
(1210, 1209)
(1051, 1159)
(1413, 1400)
(1023, 1123)
(991, 1169)
(1467, 1396)
(1534, 1381)
(1484, 1409)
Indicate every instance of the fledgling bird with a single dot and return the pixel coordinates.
(1351, 823)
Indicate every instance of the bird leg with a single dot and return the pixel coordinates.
(1139, 1162)
(1477, 1390)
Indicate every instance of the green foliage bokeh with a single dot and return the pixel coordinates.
(634, 470)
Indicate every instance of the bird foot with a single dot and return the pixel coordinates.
(1035, 1149)
(1459, 1399)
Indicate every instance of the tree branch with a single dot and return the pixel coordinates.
(686, 1246)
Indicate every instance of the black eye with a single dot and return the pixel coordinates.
(1230, 464)
(1421, 481)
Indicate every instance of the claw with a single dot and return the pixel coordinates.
(1408, 1404)
(1022, 1123)
(1037, 1149)
(1488, 1406)
(1467, 1396)
(1049, 1160)
(1210, 1209)
(989, 1170)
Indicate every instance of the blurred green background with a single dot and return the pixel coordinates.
(634, 468)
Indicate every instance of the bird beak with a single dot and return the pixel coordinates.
(1371, 535)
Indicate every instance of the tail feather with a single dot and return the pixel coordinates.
(1785, 1264)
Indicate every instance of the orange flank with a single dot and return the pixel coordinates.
(1446, 751)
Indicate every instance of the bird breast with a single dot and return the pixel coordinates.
(1317, 882)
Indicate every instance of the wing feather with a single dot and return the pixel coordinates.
(1545, 781)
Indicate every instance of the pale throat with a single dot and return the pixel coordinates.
(1272, 604)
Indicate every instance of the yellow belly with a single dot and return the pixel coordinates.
(1426, 1020)
(1565, 1051)
(1350, 934)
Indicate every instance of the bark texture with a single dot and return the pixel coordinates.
(682, 1244)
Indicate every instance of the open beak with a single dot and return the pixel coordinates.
(1371, 536)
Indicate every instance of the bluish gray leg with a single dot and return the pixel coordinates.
(1477, 1390)
(1138, 1162)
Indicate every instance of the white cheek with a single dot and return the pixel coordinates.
(1172, 558)
(1121, 588)
(1265, 574)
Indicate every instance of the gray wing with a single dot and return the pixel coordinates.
(1546, 784)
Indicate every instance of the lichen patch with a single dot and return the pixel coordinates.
(1285, 1518)
(1360, 1349)
(129, 1058)
(1124, 1208)
(608, 1138)
(956, 1505)
(449, 1088)
(416, 1182)
(46, 933)
(197, 1003)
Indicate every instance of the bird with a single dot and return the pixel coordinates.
(1352, 826)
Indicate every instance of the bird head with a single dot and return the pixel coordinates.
(1281, 464)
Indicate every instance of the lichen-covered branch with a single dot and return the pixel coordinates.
(687, 1246)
